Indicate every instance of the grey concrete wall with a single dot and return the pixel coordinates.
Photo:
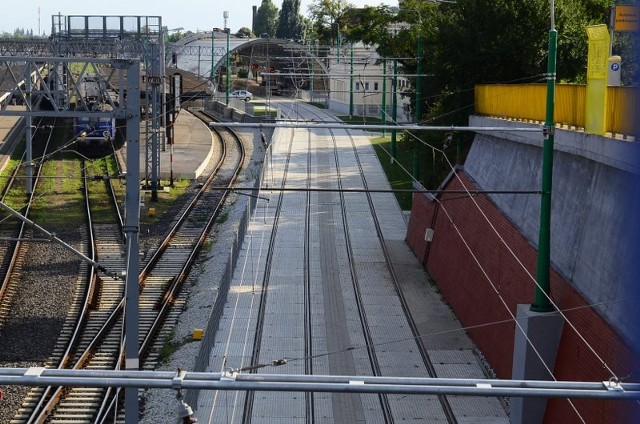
(594, 181)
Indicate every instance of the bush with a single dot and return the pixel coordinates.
(243, 73)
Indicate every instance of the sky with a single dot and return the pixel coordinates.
(191, 14)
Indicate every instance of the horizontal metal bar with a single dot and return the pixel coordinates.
(116, 113)
(320, 74)
(52, 59)
(320, 383)
(339, 126)
(362, 190)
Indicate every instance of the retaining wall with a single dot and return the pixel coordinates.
(475, 265)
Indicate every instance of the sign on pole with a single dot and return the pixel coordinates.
(627, 18)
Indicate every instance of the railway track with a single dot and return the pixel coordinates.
(312, 316)
(12, 231)
(93, 301)
(161, 278)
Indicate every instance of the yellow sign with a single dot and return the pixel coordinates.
(597, 68)
(598, 55)
(627, 18)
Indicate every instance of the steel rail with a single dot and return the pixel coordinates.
(385, 405)
(48, 398)
(171, 291)
(262, 305)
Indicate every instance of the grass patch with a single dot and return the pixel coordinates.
(318, 105)
(207, 245)
(170, 346)
(398, 178)
(222, 218)
(164, 202)
(264, 111)
(62, 194)
(362, 120)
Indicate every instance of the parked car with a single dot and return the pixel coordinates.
(242, 94)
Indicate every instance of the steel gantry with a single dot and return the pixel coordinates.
(51, 79)
(135, 37)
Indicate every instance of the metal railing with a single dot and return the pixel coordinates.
(527, 102)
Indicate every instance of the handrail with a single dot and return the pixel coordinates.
(527, 102)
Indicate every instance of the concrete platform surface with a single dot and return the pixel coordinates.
(192, 149)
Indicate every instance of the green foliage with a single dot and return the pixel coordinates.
(244, 32)
(325, 15)
(478, 41)
(290, 21)
(266, 21)
(243, 73)
(173, 36)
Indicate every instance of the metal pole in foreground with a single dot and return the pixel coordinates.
(132, 213)
(543, 289)
(28, 130)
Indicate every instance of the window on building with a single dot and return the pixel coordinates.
(366, 86)
(375, 86)
(357, 86)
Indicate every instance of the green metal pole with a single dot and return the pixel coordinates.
(394, 107)
(383, 110)
(313, 54)
(339, 44)
(351, 85)
(213, 63)
(416, 159)
(228, 66)
(543, 289)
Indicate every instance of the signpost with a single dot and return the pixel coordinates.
(627, 18)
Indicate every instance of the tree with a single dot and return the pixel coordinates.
(266, 19)
(325, 15)
(290, 22)
(477, 41)
(244, 32)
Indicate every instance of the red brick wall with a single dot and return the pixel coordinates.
(476, 302)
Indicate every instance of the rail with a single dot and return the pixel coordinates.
(527, 102)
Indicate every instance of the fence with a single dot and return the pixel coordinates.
(202, 360)
(528, 102)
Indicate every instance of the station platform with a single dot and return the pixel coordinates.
(11, 130)
(192, 149)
